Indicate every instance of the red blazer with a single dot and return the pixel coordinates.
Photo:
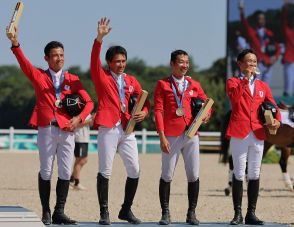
(108, 112)
(165, 106)
(289, 38)
(45, 109)
(244, 117)
(255, 42)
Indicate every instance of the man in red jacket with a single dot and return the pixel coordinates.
(55, 126)
(173, 115)
(114, 89)
(247, 134)
(288, 58)
(263, 42)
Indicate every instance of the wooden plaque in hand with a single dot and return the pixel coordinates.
(199, 118)
(137, 108)
(15, 19)
(269, 119)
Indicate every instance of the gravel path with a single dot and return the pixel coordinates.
(18, 186)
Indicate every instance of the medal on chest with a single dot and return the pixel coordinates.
(58, 103)
(180, 111)
(123, 108)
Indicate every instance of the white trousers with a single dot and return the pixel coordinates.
(265, 72)
(248, 150)
(190, 151)
(112, 140)
(289, 78)
(54, 141)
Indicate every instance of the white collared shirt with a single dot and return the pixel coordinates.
(251, 83)
(179, 83)
(117, 78)
(56, 77)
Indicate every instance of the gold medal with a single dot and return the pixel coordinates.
(58, 103)
(180, 111)
(123, 108)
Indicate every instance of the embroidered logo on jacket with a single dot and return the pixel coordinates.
(131, 88)
(260, 94)
(191, 92)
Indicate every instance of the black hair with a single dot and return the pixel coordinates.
(52, 45)
(174, 54)
(243, 53)
(112, 51)
(257, 13)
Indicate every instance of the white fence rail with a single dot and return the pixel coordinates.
(208, 140)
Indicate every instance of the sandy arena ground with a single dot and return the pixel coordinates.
(18, 186)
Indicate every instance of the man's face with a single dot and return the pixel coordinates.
(55, 59)
(181, 66)
(261, 20)
(249, 63)
(118, 63)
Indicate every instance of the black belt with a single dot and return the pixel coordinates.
(54, 123)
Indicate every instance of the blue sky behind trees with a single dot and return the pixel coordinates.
(149, 30)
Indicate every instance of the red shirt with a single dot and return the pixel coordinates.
(244, 117)
(289, 38)
(109, 108)
(45, 110)
(256, 44)
(165, 106)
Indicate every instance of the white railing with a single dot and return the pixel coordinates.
(208, 140)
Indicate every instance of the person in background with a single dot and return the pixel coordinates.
(82, 139)
(262, 41)
(239, 44)
(288, 58)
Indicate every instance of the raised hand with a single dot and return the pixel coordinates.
(241, 7)
(14, 38)
(103, 28)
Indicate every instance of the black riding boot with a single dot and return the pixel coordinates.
(193, 192)
(164, 191)
(252, 192)
(237, 194)
(102, 192)
(59, 217)
(44, 192)
(130, 190)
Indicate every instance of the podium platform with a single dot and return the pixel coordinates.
(16, 216)
(174, 224)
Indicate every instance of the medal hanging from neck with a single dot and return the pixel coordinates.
(58, 103)
(123, 108)
(121, 92)
(180, 111)
(57, 88)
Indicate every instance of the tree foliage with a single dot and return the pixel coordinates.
(17, 95)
